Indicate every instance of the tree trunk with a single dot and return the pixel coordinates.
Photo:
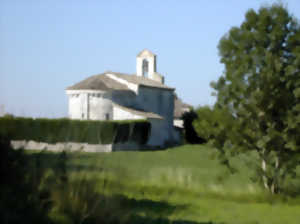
(271, 184)
(275, 182)
(264, 176)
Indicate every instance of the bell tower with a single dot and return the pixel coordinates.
(146, 64)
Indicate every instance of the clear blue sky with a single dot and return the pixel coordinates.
(46, 46)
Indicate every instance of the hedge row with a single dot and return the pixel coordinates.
(66, 130)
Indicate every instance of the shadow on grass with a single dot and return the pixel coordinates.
(148, 220)
(155, 208)
(89, 207)
(146, 211)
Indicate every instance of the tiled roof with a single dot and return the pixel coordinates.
(98, 82)
(180, 107)
(139, 112)
(105, 83)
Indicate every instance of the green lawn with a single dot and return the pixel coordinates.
(184, 185)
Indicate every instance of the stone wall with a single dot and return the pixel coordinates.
(159, 133)
(125, 98)
(161, 102)
(76, 147)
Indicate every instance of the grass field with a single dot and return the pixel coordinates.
(183, 185)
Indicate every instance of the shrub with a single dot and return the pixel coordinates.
(66, 130)
(191, 136)
(23, 199)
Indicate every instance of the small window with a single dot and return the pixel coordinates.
(107, 116)
(145, 68)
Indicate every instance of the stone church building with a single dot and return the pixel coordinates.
(118, 96)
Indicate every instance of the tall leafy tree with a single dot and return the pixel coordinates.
(260, 90)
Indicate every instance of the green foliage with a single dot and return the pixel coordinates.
(23, 196)
(204, 122)
(66, 130)
(212, 122)
(260, 91)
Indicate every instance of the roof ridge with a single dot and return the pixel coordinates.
(146, 50)
(121, 73)
(141, 80)
(99, 81)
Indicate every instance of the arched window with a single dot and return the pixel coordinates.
(145, 67)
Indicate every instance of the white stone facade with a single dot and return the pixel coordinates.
(90, 105)
(115, 96)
